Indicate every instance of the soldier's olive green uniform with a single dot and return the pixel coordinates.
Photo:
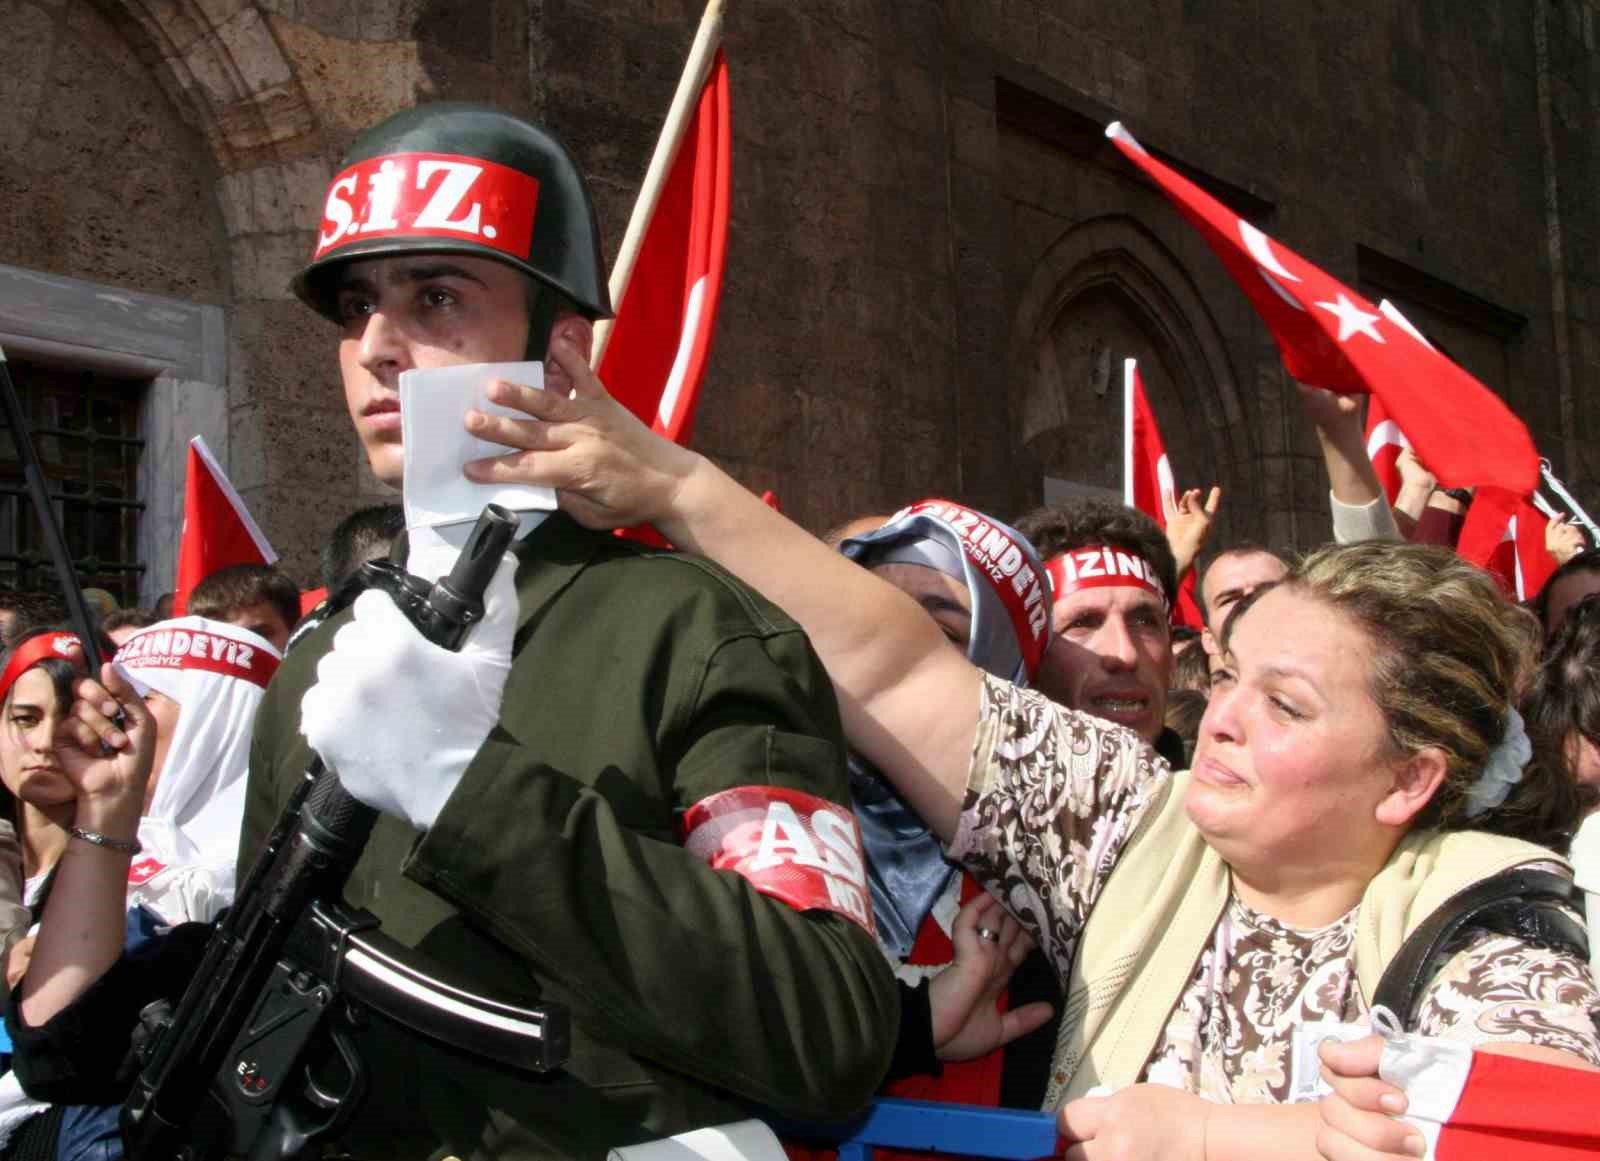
(642, 683)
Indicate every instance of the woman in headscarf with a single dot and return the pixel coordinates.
(202, 681)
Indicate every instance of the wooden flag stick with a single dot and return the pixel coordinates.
(701, 55)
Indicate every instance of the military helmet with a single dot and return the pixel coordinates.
(452, 178)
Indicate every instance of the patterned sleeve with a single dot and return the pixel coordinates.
(1500, 988)
(1052, 796)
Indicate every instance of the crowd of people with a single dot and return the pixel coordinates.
(779, 837)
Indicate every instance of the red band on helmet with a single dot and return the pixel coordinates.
(34, 650)
(188, 649)
(1100, 566)
(1005, 566)
(433, 195)
(788, 844)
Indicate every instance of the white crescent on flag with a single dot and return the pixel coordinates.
(1385, 434)
(667, 412)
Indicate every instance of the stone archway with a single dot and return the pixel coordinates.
(221, 64)
(1105, 290)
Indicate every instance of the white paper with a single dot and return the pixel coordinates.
(1305, 1065)
(433, 404)
(740, 1141)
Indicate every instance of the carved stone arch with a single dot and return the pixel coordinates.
(225, 70)
(1104, 290)
(244, 94)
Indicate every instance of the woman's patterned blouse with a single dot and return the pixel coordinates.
(1046, 815)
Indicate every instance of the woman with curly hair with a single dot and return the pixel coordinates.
(1360, 763)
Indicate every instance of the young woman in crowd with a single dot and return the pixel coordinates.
(35, 696)
(152, 854)
(1358, 764)
(1563, 705)
(1576, 578)
(36, 693)
(951, 947)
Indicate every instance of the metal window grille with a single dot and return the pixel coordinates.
(86, 429)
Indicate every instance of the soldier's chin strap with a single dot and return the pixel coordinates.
(544, 307)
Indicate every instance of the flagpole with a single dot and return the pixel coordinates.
(1567, 498)
(1128, 366)
(707, 39)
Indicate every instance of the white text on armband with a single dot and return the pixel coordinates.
(787, 844)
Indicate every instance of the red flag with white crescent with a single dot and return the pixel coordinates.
(657, 351)
(218, 529)
(1331, 337)
(1147, 477)
(1485, 1106)
(1385, 442)
(1504, 535)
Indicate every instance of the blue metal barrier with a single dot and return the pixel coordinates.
(939, 1127)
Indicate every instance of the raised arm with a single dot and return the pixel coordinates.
(1416, 488)
(1189, 524)
(81, 934)
(1360, 508)
(1563, 540)
(909, 702)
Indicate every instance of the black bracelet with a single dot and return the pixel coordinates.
(127, 846)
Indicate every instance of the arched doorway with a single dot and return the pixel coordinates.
(1105, 291)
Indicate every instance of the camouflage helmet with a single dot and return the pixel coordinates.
(451, 178)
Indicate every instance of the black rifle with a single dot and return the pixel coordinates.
(231, 1073)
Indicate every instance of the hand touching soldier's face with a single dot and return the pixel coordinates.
(419, 311)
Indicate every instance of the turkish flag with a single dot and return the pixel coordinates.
(1331, 337)
(1147, 477)
(217, 528)
(1504, 534)
(1385, 442)
(1482, 1106)
(658, 344)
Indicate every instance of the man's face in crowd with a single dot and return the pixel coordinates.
(1111, 656)
(944, 598)
(1231, 578)
(421, 311)
(264, 620)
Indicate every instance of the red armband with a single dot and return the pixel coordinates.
(788, 844)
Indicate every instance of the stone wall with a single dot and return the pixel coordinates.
(936, 263)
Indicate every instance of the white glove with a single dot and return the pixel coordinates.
(398, 717)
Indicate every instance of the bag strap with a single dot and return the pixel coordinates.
(1530, 904)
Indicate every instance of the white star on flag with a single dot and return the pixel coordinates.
(1352, 319)
(1462, 430)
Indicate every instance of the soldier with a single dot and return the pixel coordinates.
(596, 837)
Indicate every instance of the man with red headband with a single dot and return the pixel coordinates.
(627, 793)
(1113, 577)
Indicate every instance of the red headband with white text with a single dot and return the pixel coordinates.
(162, 647)
(36, 649)
(1007, 563)
(431, 195)
(1098, 566)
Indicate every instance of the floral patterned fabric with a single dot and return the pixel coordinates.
(1046, 817)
